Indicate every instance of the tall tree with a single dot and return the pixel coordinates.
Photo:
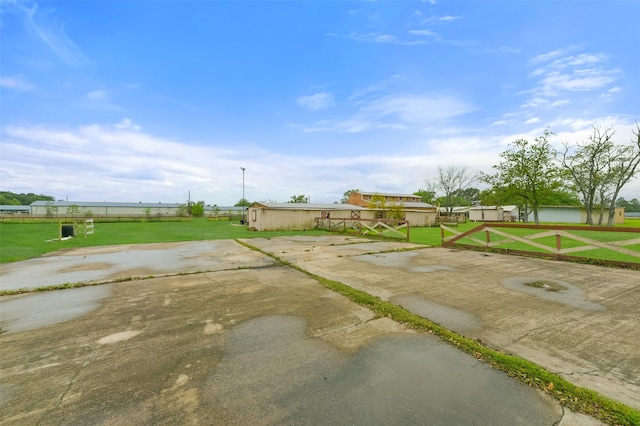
(345, 196)
(528, 173)
(426, 196)
(598, 169)
(299, 199)
(450, 181)
(7, 197)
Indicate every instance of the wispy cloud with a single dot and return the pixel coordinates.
(16, 83)
(559, 72)
(44, 27)
(127, 124)
(450, 18)
(373, 37)
(445, 18)
(317, 101)
(399, 111)
(97, 95)
(428, 33)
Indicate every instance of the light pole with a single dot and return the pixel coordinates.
(243, 200)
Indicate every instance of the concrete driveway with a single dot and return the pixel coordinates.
(265, 344)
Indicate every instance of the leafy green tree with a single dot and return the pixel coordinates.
(73, 210)
(466, 196)
(50, 209)
(629, 206)
(426, 196)
(527, 173)
(242, 203)
(182, 210)
(7, 197)
(377, 202)
(345, 196)
(299, 199)
(197, 210)
(396, 211)
(598, 170)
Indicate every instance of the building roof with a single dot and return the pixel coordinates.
(504, 208)
(457, 209)
(14, 208)
(102, 204)
(387, 194)
(308, 206)
(416, 205)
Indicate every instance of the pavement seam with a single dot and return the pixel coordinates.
(566, 393)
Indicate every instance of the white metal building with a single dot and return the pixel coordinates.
(102, 208)
(574, 214)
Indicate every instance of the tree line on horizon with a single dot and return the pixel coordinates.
(530, 175)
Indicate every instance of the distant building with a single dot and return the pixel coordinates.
(575, 214)
(494, 214)
(13, 209)
(408, 201)
(103, 208)
(299, 216)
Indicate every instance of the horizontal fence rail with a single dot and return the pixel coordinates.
(565, 241)
(365, 226)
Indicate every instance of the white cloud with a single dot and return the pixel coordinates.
(423, 33)
(559, 73)
(449, 18)
(127, 124)
(546, 57)
(16, 83)
(317, 101)
(416, 109)
(532, 120)
(97, 95)
(53, 35)
(121, 163)
(394, 111)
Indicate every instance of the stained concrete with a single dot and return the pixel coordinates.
(269, 345)
(587, 333)
(125, 261)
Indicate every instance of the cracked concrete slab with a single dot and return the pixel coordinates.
(587, 331)
(268, 345)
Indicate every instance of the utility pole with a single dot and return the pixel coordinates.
(243, 200)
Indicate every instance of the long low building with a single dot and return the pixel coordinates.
(300, 216)
(102, 208)
(575, 214)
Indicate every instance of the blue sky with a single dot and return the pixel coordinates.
(148, 100)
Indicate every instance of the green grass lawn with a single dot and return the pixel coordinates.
(566, 242)
(19, 241)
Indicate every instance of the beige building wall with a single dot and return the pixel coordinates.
(420, 218)
(262, 218)
(268, 219)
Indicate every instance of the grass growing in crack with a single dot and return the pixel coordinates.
(569, 395)
(79, 284)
